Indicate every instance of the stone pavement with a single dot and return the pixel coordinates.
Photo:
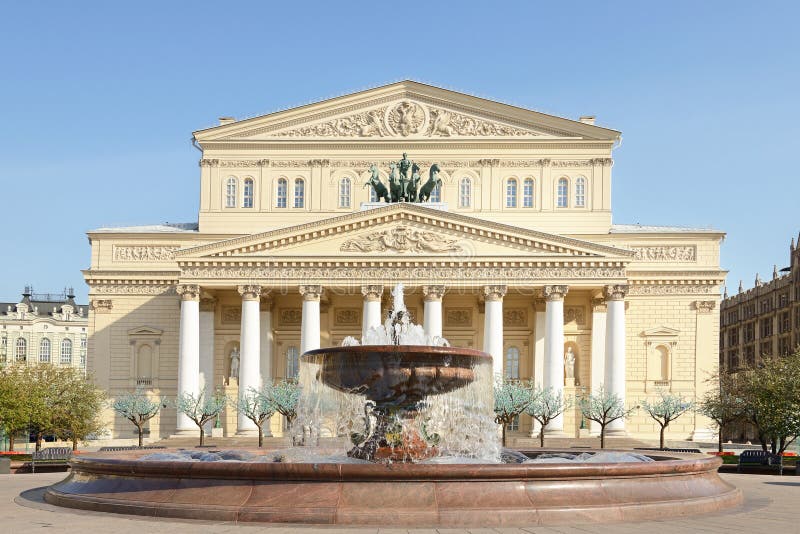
(770, 502)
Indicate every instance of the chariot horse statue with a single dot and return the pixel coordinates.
(375, 182)
(433, 181)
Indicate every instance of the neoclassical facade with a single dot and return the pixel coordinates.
(514, 253)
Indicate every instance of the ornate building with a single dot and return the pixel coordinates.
(514, 252)
(44, 328)
(764, 320)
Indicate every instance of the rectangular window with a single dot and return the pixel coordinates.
(783, 300)
(785, 323)
(765, 329)
(749, 332)
(247, 201)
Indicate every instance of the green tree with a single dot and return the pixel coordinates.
(76, 415)
(138, 408)
(545, 406)
(511, 398)
(666, 409)
(257, 405)
(722, 404)
(15, 408)
(201, 408)
(603, 408)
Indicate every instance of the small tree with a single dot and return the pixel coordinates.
(201, 408)
(283, 397)
(15, 405)
(77, 414)
(138, 408)
(666, 409)
(258, 407)
(723, 405)
(546, 406)
(603, 408)
(511, 398)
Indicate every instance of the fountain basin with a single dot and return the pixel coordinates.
(407, 494)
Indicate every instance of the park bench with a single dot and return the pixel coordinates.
(759, 458)
(130, 448)
(51, 457)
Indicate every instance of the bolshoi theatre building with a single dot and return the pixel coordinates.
(497, 220)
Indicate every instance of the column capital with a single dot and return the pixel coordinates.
(189, 292)
(434, 293)
(599, 305)
(250, 292)
(372, 293)
(207, 303)
(494, 293)
(554, 293)
(311, 292)
(615, 292)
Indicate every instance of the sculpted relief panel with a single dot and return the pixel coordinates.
(402, 239)
(667, 253)
(144, 253)
(408, 118)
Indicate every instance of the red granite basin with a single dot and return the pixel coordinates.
(402, 374)
(485, 495)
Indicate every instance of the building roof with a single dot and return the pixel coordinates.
(149, 228)
(653, 229)
(45, 304)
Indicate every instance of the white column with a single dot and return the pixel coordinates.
(250, 347)
(598, 351)
(309, 328)
(554, 347)
(493, 326)
(206, 382)
(615, 349)
(538, 354)
(372, 307)
(267, 337)
(432, 321)
(188, 350)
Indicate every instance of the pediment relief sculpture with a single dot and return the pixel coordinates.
(407, 118)
(402, 239)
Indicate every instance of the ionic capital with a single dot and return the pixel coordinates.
(616, 292)
(554, 293)
(495, 293)
(434, 293)
(188, 292)
(250, 292)
(372, 293)
(312, 292)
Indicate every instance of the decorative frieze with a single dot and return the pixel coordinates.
(575, 314)
(556, 292)
(444, 123)
(666, 253)
(673, 289)
(402, 239)
(515, 317)
(144, 253)
(458, 317)
(347, 317)
(494, 292)
(132, 289)
(234, 163)
(188, 291)
(433, 293)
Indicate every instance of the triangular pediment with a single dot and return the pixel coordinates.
(406, 110)
(661, 331)
(401, 231)
(145, 331)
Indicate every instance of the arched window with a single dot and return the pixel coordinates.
(281, 193)
(299, 193)
(292, 362)
(22, 350)
(511, 366)
(436, 194)
(344, 192)
(247, 197)
(465, 193)
(527, 193)
(562, 193)
(66, 351)
(511, 193)
(230, 193)
(44, 351)
(580, 192)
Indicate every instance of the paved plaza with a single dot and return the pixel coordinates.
(770, 502)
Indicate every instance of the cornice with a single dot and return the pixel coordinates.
(407, 144)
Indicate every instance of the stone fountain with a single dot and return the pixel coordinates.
(423, 451)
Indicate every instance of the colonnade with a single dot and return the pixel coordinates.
(195, 352)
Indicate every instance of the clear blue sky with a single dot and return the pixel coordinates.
(98, 102)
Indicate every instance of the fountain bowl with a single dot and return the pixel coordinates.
(422, 495)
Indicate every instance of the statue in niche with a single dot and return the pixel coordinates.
(234, 366)
(569, 367)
